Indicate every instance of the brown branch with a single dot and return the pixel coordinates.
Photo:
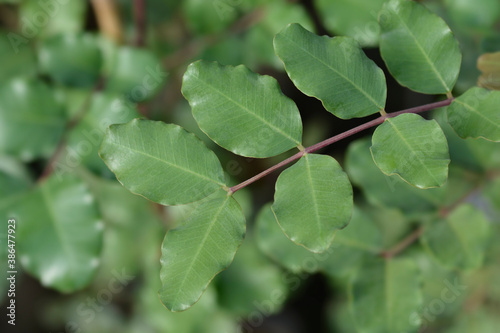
(140, 22)
(407, 241)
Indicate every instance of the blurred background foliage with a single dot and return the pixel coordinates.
(71, 68)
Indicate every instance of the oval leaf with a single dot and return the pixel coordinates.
(385, 296)
(196, 251)
(475, 114)
(413, 148)
(30, 114)
(241, 111)
(459, 240)
(61, 233)
(334, 70)
(162, 162)
(313, 200)
(418, 47)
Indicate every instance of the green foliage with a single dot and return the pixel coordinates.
(403, 240)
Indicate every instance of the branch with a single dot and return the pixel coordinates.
(140, 22)
(398, 248)
(339, 137)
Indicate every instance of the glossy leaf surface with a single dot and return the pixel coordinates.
(313, 200)
(413, 148)
(242, 111)
(460, 239)
(334, 70)
(162, 162)
(476, 114)
(385, 295)
(61, 233)
(418, 47)
(204, 245)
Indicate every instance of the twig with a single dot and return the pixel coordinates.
(339, 137)
(140, 22)
(410, 239)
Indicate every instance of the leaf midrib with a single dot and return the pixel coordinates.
(166, 162)
(313, 196)
(369, 97)
(475, 111)
(412, 150)
(250, 112)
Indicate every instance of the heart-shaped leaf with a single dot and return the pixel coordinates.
(413, 148)
(162, 162)
(313, 200)
(241, 111)
(334, 70)
(418, 47)
(475, 114)
(196, 251)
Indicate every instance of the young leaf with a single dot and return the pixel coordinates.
(29, 113)
(475, 114)
(196, 251)
(242, 111)
(162, 162)
(418, 47)
(413, 148)
(61, 233)
(460, 239)
(334, 70)
(313, 200)
(385, 295)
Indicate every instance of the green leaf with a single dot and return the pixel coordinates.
(242, 111)
(15, 51)
(334, 70)
(196, 251)
(418, 47)
(313, 200)
(61, 233)
(71, 59)
(475, 114)
(30, 114)
(162, 162)
(460, 239)
(413, 148)
(84, 140)
(356, 19)
(384, 296)
(136, 73)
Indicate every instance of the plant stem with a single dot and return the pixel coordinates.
(140, 22)
(339, 137)
(410, 239)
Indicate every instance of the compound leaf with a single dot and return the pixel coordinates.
(385, 295)
(334, 70)
(460, 239)
(162, 162)
(313, 200)
(413, 148)
(475, 114)
(418, 47)
(197, 250)
(242, 111)
(61, 233)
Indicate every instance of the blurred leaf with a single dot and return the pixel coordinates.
(162, 162)
(243, 112)
(475, 114)
(384, 295)
(473, 16)
(19, 56)
(413, 148)
(489, 65)
(71, 59)
(199, 249)
(356, 19)
(135, 73)
(30, 114)
(334, 70)
(61, 233)
(252, 283)
(422, 54)
(482, 320)
(85, 139)
(459, 240)
(52, 17)
(313, 200)
(207, 17)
